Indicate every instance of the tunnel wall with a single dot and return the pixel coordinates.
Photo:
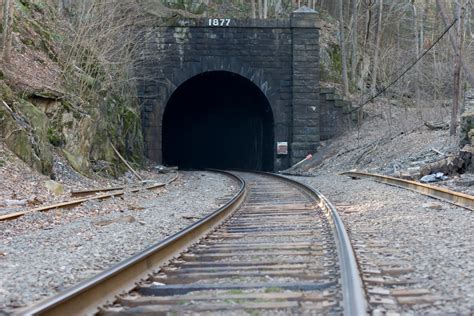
(281, 57)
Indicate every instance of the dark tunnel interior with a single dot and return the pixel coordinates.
(218, 120)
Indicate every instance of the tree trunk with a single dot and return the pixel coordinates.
(260, 9)
(364, 68)
(60, 6)
(378, 38)
(354, 34)
(417, 66)
(253, 9)
(1, 19)
(345, 82)
(457, 76)
(278, 8)
(8, 8)
(467, 69)
(265, 9)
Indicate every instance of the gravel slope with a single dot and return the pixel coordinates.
(392, 226)
(43, 253)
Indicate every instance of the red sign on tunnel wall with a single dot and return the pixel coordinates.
(282, 148)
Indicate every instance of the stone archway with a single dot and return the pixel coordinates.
(218, 119)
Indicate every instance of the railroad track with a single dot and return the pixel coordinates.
(390, 277)
(276, 247)
(456, 198)
(115, 192)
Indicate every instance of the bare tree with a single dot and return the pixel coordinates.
(378, 39)
(8, 14)
(457, 75)
(343, 48)
(278, 7)
(253, 9)
(354, 34)
(417, 53)
(364, 68)
(467, 69)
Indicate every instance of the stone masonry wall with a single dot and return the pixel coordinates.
(306, 73)
(281, 57)
(335, 114)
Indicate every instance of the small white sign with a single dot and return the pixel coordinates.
(282, 148)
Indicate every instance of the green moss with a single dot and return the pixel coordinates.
(336, 59)
(23, 7)
(121, 126)
(6, 93)
(54, 137)
(18, 142)
(35, 116)
(189, 5)
(28, 41)
(76, 161)
(273, 290)
(235, 291)
(38, 136)
(40, 6)
(17, 139)
(46, 37)
(2, 163)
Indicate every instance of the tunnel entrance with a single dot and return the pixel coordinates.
(218, 119)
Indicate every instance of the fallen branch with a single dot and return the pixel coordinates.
(438, 152)
(8, 108)
(366, 152)
(449, 165)
(126, 163)
(437, 126)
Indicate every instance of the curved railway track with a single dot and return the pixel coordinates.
(277, 246)
(456, 198)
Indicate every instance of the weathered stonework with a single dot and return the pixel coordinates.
(281, 57)
(335, 114)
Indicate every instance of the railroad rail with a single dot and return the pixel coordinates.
(276, 246)
(453, 197)
(118, 191)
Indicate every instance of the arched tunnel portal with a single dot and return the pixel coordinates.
(218, 119)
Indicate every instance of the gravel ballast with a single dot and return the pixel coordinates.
(392, 226)
(43, 253)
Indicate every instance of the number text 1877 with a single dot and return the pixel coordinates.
(219, 22)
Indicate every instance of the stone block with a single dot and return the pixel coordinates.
(305, 103)
(306, 138)
(333, 96)
(305, 130)
(305, 122)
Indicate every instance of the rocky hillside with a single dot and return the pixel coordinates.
(41, 112)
